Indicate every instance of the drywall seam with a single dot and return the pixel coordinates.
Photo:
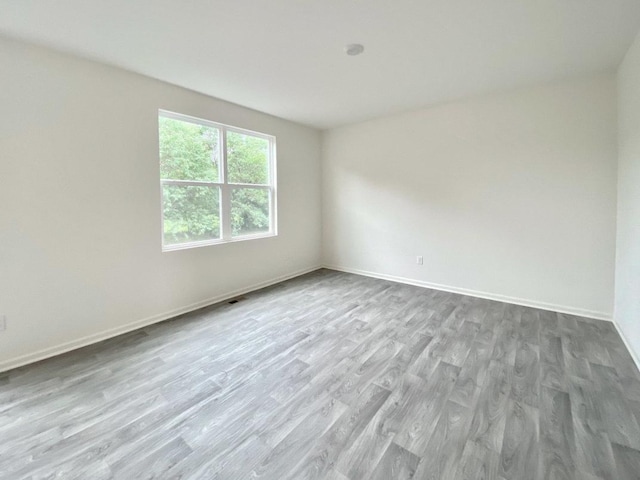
(475, 293)
(114, 332)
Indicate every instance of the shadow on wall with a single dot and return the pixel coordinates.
(512, 194)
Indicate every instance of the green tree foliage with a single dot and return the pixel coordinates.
(248, 163)
(188, 151)
(191, 213)
(247, 159)
(249, 211)
(192, 152)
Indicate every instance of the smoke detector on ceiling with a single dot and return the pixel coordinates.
(354, 49)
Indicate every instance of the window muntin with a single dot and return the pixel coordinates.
(218, 182)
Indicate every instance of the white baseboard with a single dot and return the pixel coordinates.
(475, 293)
(633, 354)
(129, 327)
(114, 332)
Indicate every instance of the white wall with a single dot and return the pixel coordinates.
(80, 251)
(627, 304)
(511, 196)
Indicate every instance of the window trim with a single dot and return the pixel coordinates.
(225, 187)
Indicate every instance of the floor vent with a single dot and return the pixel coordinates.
(236, 300)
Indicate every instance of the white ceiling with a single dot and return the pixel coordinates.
(285, 57)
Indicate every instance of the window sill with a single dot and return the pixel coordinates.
(207, 243)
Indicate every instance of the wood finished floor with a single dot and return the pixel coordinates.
(333, 376)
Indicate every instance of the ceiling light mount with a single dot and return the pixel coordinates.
(354, 49)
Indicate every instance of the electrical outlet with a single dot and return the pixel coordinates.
(419, 260)
(3, 323)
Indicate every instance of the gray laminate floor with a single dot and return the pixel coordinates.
(333, 376)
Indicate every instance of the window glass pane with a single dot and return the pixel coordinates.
(247, 159)
(188, 151)
(249, 211)
(191, 213)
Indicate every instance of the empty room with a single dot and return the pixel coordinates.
(331, 240)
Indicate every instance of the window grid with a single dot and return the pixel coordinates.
(226, 234)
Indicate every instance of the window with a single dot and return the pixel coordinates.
(218, 182)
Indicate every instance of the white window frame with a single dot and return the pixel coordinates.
(224, 185)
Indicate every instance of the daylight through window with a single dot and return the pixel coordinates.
(218, 182)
